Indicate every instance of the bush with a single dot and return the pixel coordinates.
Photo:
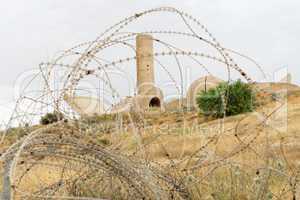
(50, 118)
(239, 98)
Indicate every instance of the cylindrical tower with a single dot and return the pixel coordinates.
(145, 64)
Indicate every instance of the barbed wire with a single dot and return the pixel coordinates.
(64, 161)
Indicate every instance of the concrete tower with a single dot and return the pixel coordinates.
(147, 94)
(144, 63)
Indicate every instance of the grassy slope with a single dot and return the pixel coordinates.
(174, 137)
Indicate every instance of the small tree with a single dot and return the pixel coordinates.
(238, 98)
(50, 118)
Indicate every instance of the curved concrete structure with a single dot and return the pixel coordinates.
(85, 106)
(201, 84)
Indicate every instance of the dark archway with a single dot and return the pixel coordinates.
(154, 102)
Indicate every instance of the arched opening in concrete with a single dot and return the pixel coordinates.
(154, 102)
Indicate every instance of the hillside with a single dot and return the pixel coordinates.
(249, 156)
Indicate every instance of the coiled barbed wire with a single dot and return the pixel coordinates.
(77, 162)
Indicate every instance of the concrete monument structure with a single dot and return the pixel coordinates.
(85, 106)
(202, 84)
(148, 95)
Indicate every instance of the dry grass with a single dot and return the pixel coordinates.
(241, 157)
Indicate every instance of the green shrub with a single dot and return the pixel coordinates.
(50, 118)
(239, 98)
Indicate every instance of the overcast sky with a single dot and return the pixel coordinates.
(33, 31)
